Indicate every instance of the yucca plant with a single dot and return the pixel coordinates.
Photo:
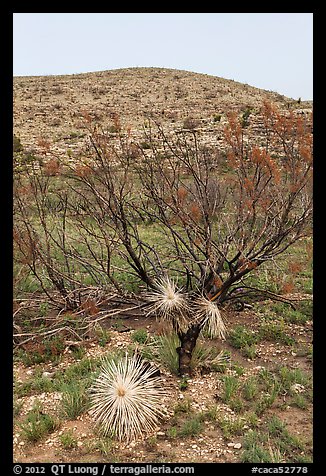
(210, 317)
(169, 303)
(126, 398)
(188, 314)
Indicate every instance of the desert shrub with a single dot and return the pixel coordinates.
(17, 145)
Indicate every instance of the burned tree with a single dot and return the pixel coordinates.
(181, 210)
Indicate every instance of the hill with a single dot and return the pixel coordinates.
(52, 107)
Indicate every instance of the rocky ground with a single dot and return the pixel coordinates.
(204, 391)
(52, 109)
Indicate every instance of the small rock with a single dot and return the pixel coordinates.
(297, 388)
(160, 433)
(231, 445)
(237, 446)
(22, 443)
(48, 374)
(79, 444)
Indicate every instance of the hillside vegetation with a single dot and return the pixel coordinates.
(52, 107)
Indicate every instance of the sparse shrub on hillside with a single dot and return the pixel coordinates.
(245, 116)
(17, 145)
(52, 168)
(191, 123)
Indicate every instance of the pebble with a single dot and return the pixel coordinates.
(297, 388)
(47, 374)
(237, 446)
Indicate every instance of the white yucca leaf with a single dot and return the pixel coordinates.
(207, 311)
(221, 358)
(168, 302)
(126, 399)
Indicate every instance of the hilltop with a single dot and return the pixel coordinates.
(52, 107)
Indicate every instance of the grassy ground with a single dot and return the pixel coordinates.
(256, 407)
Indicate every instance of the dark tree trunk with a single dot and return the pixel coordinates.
(188, 341)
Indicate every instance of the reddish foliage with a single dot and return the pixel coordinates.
(90, 307)
(83, 171)
(295, 267)
(287, 288)
(195, 211)
(44, 144)
(52, 168)
(182, 194)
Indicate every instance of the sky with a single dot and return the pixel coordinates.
(272, 51)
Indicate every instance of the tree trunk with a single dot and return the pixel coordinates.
(188, 342)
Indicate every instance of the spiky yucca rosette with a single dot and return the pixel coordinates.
(126, 399)
(169, 303)
(208, 311)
